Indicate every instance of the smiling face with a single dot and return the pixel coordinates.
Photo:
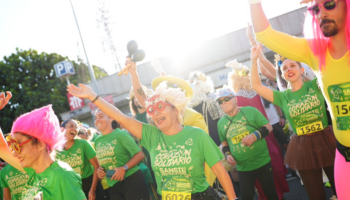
(29, 152)
(166, 118)
(291, 70)
(71, 129)
(102, 121)
(332, 21)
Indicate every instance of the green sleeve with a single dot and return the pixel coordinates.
(259, 118)
(3, 183)
(70, 186)
(88, 150)
(210, 152)
(314, 83)
(147, 132)
(129, 144)
(278, 98)
(221, 130)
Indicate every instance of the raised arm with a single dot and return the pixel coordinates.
(288, 46)
(266, 67)
(158, 67)
(131, 124)
(262, 90)
(136, 84)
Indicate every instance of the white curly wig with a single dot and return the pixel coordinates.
(173, 96)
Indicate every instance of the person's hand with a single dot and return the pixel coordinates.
(83, 91)
(282, 122)
(249, 33)
(306, 1)
(92, 194)
(131, 65)
(249, 140)
(4, 100)
(119, 174)
(157, 66)
(230, 160)
(100, 173)
(255, 51)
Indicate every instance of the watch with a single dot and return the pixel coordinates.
(125, 167)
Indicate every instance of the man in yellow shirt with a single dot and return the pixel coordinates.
(326, 51)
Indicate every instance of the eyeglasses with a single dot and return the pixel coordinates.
(13, 143)
(328, 5)
(160, 106)
(226, 99)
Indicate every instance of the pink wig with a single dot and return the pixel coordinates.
(317, 41)
(42, 124)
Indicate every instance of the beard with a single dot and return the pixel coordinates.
(200, 92)
(329, 31)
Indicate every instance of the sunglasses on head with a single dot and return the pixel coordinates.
(14, 145)
(160, 106)
(328, 5)
(226, 99)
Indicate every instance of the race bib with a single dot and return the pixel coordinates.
(238, 139)
(176, 188)
(340, 101)
(310, 128)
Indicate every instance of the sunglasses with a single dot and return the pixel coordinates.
(226, 99)
(160, 106)
(14, 145)
(328, 5)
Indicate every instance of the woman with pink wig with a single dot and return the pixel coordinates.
(35, 138)
(325, 49)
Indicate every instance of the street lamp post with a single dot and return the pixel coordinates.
(92, 74)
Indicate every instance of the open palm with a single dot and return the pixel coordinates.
(4, 100)
(83, 91)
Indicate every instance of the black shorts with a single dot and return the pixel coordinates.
(280, 135)
(86, 185)
(132, 188)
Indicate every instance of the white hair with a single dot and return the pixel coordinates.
(175, 97)
(200, 92)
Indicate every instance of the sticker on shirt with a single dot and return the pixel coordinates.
(176, 188)
(307, 124)
(340, 101)
(239, 138)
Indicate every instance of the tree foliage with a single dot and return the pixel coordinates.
(31, 78)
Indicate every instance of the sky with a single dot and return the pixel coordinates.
(160, 27)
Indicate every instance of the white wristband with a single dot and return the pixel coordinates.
(254, 1)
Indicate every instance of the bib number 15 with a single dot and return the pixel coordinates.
(342, 109)
(176, 195)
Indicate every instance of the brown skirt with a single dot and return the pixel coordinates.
(313, 151)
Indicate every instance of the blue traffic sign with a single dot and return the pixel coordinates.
(64, 69)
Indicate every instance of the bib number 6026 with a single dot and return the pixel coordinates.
(176, 196)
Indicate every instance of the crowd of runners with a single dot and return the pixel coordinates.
(186, 141)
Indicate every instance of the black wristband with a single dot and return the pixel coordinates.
(225, 149)
(264, 132)
(282, 117)
(95, 99)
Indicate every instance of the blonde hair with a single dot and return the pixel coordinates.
(175, 97)
(239, 82)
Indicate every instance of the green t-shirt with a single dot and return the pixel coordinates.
(305, 108)
(13, 179)
(115, 150)
(247, 120)
(142, 117)
(94, 137)
(183, 154)
(57, 182)
(78, 157)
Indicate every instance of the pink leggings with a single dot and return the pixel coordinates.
(342, 176)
